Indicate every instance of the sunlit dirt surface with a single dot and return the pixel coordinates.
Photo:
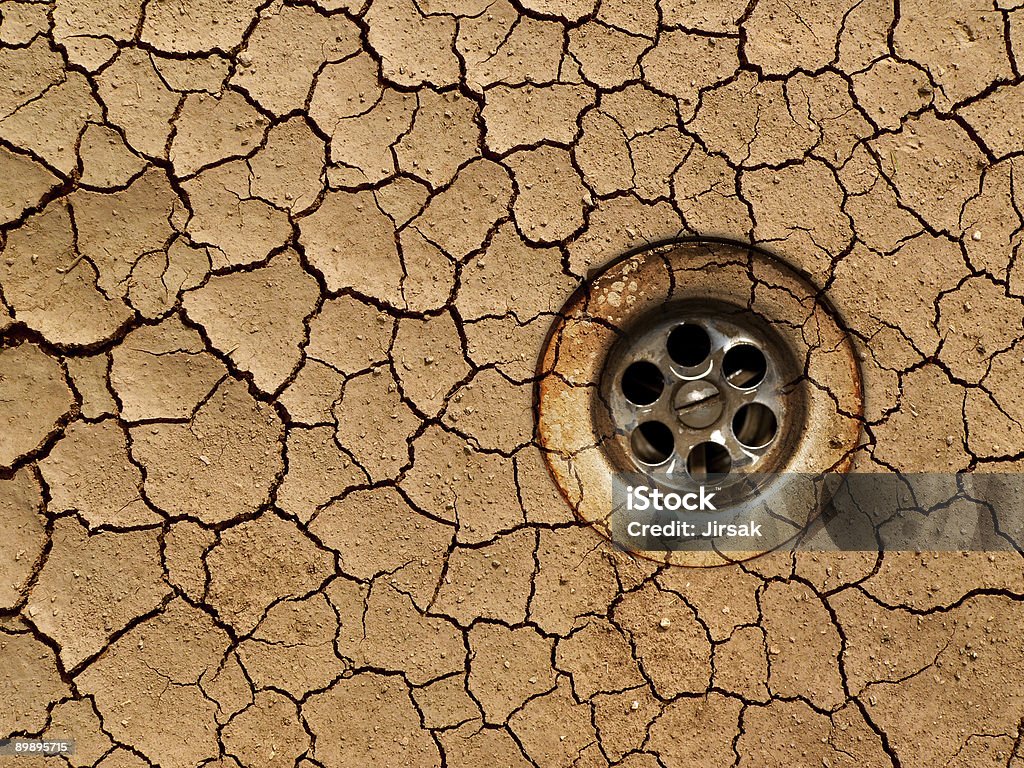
(275, 278)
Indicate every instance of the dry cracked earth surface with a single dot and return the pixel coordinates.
(274, 280)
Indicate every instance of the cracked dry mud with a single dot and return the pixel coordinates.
(273, 282)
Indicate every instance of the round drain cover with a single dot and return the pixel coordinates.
(699, 364)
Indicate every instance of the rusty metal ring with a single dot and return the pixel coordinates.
(804, 382)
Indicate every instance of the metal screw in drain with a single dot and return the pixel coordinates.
(698, 403)
(700, 393)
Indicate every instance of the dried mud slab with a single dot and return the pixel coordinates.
(91, 473)
(292, 648)
(163, 372)
(274, 281)
(34, 181)
(339, 238)
(259, 315)
(400, 541)
(46, 281)
(273, 559)
(395, 737)
(174, 669)
(267, 733)
(193, 468)
(78, 575)
(489, 582)
(36, 400)
(32, 681)
(285, 51)
(22, 502)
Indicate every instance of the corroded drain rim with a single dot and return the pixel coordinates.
(743, 295)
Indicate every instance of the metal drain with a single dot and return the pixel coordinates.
(697, 363)
(700, 391)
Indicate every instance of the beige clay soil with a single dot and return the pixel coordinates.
(273, 282)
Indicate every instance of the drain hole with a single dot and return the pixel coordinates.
(689, 345)
(708, 461)
(642, 383)
(754, 425)
(652, 442)
(744, 366)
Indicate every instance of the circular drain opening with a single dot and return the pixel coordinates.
(754, 425)
(744, 366)
(689, 345)
(708, 462)
(652, 443)
(642, 383)
(685, 364)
